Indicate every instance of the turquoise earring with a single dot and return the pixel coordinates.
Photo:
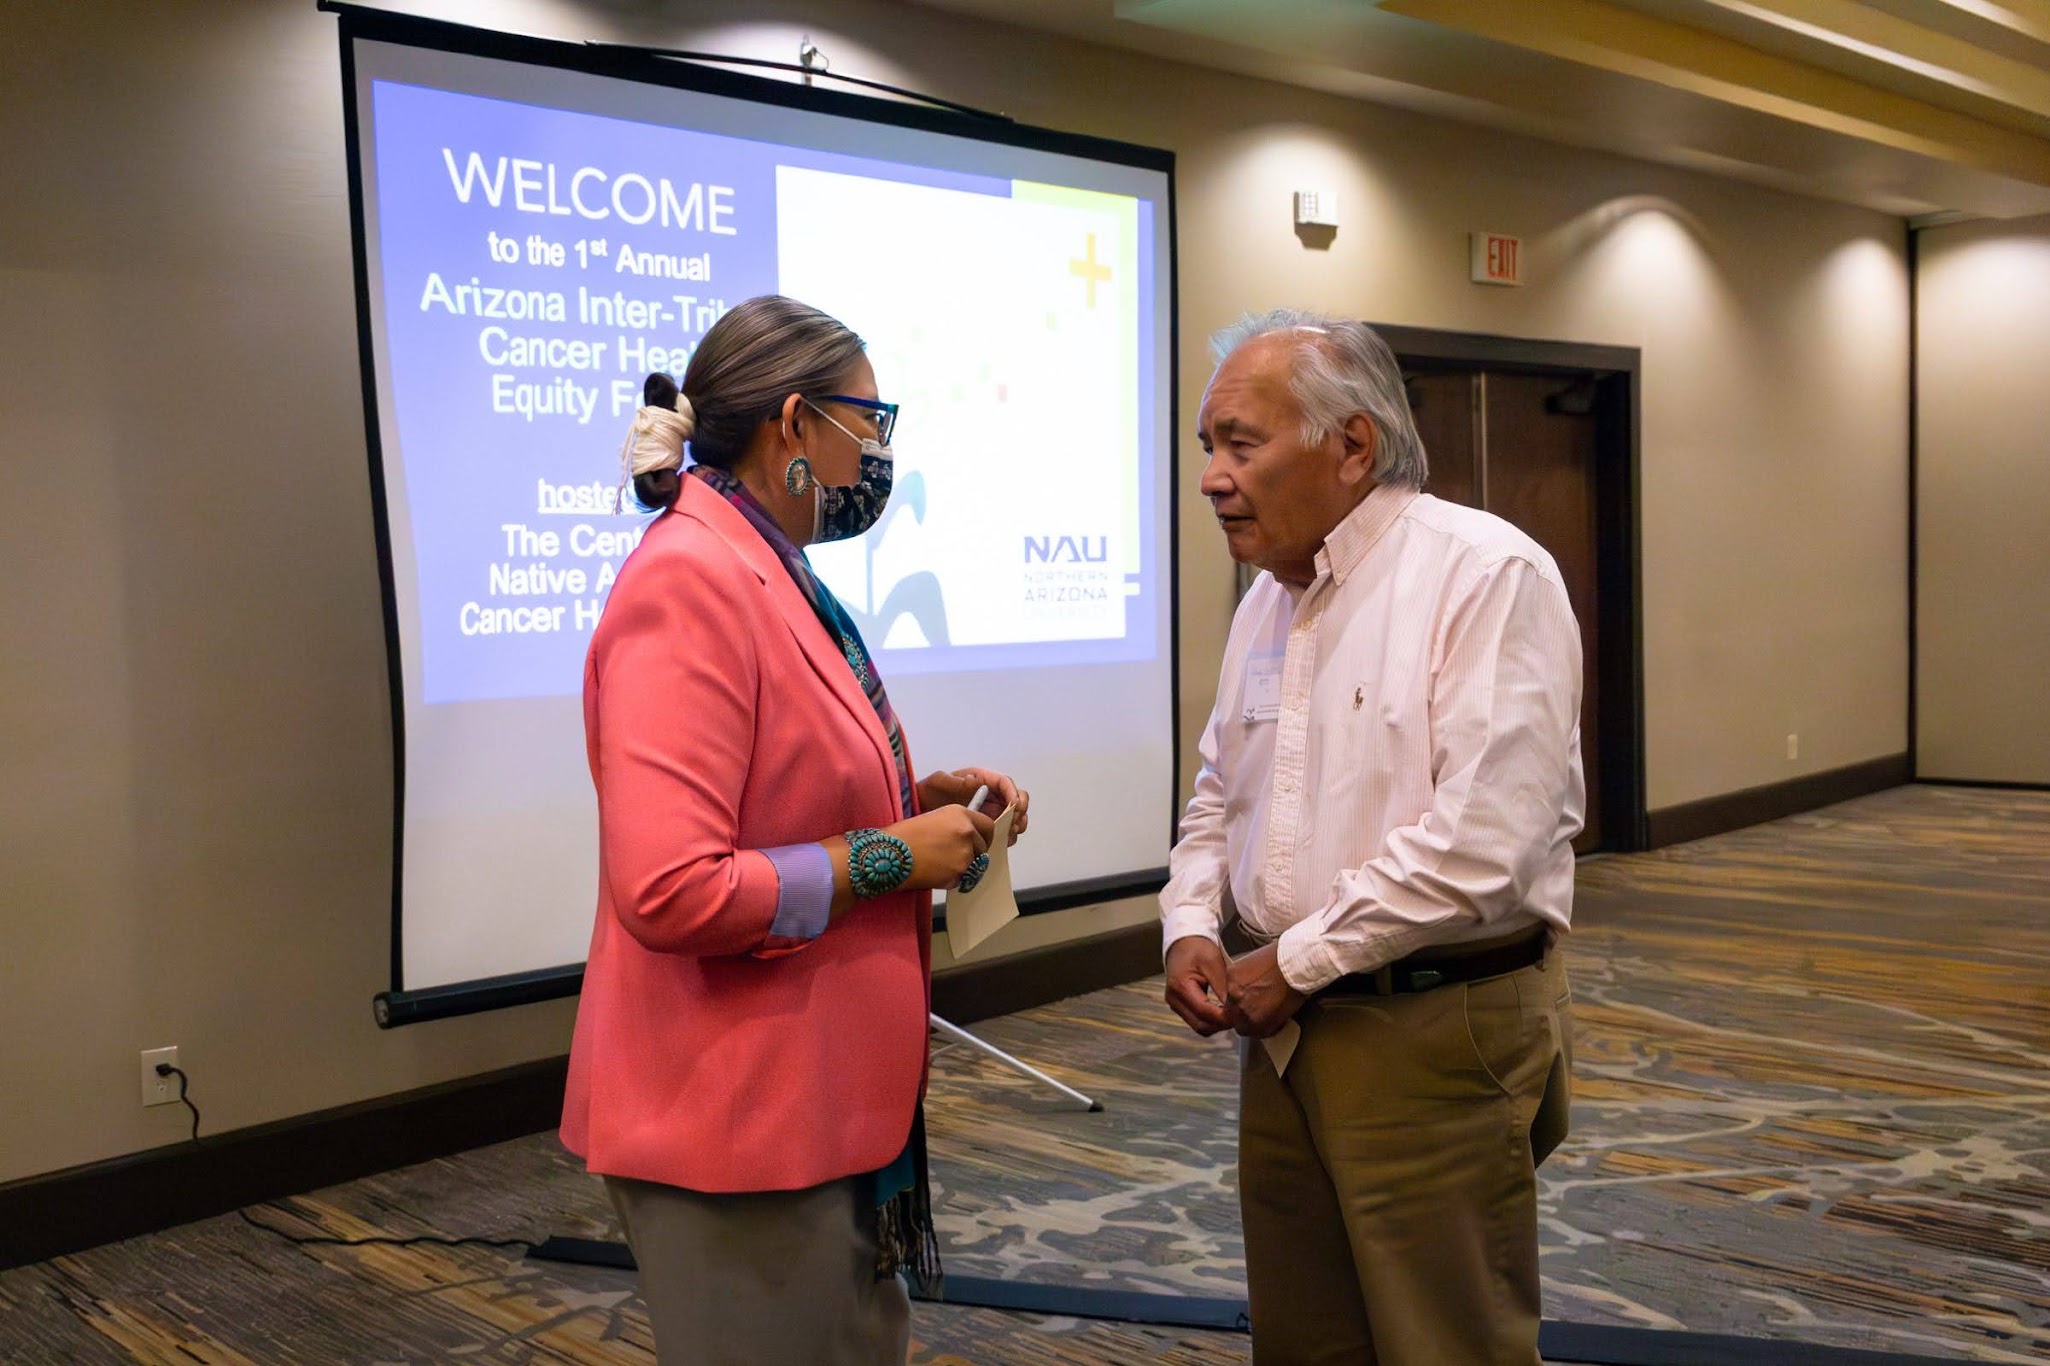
(797, 477)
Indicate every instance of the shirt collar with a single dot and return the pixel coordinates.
(1352, 538)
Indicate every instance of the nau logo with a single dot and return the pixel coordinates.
(1067, 549)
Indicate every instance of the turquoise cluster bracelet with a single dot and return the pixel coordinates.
(877, 864)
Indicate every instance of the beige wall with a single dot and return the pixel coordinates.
(1983, 516)
(192, 685)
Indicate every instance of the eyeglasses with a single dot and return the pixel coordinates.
(882, 416)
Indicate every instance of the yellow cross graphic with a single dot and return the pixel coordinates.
(1091, 270)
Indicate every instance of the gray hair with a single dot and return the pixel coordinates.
(1341, 368)
(759, 353)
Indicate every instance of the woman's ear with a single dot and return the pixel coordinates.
(792, 417)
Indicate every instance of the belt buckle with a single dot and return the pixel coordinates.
(1423, 979)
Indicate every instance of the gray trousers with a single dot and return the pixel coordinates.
(763, 1279)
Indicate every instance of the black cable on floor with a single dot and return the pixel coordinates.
(165, 1069)
(306, 1240)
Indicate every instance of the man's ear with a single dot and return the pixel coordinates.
(1358, 440)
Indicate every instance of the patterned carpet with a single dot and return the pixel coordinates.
(1814, 1082)
(1813, 1104)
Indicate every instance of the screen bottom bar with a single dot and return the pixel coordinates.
(395, 1008)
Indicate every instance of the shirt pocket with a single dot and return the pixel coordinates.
(1366, 743)
(1386, 705)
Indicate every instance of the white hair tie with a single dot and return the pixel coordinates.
(655, 442)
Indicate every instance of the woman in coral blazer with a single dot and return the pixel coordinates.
(750, 1048)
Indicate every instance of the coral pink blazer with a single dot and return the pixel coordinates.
(722, 720)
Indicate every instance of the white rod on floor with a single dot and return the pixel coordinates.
(954, 1031)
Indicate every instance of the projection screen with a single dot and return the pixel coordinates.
(537, 226)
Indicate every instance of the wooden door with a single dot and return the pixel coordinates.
(1523, 446)
(1540, 453)
(1443, 404)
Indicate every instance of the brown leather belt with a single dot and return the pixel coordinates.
(1441, 966)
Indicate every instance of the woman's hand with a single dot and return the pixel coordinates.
(953, 789)
(943, 843)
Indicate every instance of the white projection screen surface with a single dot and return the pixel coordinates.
(538, 225)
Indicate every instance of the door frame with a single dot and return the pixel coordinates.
(1619, 571)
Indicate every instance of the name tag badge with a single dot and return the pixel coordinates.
(1263, 690)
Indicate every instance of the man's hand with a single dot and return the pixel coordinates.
(1257, 993)
(1197, 972)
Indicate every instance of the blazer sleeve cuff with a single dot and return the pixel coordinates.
(804, 893)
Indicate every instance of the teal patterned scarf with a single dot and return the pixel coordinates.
(905, 1239)
(839, 626)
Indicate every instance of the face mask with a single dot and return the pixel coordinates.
(840, 513)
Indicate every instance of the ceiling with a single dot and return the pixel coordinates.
(1930, 109)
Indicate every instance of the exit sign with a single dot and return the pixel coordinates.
(1497, 260)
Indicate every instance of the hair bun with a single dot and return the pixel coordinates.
(661, 427)
(658, 390)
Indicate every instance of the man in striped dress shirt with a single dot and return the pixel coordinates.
(1391, 784)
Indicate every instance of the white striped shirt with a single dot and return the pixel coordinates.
(1394, 758)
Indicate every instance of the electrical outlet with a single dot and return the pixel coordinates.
(158, 1090)
(1793, 745)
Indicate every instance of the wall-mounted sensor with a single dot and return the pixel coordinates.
(1316, 208)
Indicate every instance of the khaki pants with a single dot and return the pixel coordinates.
(1388, 1182)
(760, 1280)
